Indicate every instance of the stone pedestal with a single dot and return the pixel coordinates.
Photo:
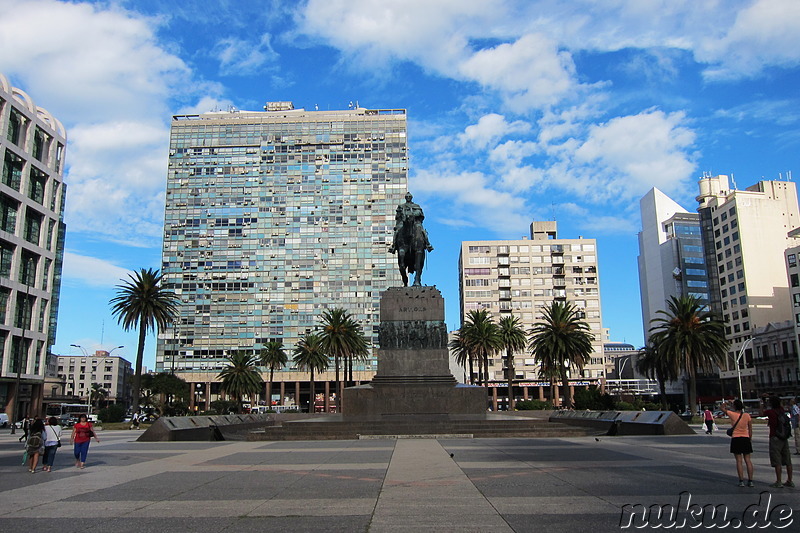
(413, 375)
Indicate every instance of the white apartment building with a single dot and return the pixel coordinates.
(520, 277)
(111, 372)
(746, 236)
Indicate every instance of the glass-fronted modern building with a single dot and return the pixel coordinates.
(272, 217)
(32, 147)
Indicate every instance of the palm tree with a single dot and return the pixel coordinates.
(97, 394)
(690, 338)
(653, 365)
(143, 302)
(273, 357)
(561, 341)
(461, 353)
(513, 339)
(482, 338)
(310, 355)
(241, 377)
(341, 338)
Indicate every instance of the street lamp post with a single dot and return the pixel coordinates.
(85, 353)
(738, 368)
(114, 348)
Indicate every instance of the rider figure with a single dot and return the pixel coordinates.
(408, 211)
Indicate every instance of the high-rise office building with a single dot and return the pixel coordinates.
(747, 231)
(520, 277)
(671, 259)
(272, 217)
(32, 147)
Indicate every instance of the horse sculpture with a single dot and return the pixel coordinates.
(410, 241)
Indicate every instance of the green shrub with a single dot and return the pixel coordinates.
(223, 407)
(625, 406)
(112, 413)
(591, 398)
(533, 405)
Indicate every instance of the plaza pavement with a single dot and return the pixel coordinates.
(503, 485)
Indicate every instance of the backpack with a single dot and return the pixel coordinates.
(34, 442)
(783, 430)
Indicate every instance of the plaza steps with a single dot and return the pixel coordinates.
(335, 427)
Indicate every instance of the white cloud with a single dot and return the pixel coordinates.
(473, 197)
(490, 128)
(84, 270)
(240, 57)
(530, 73)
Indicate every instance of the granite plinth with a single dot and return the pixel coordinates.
(413, 376)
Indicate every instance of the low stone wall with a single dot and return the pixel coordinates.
(210, 428)
(626, 422)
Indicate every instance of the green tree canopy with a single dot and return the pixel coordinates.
(310, 356)
(274, 357)
(142, 302)
(560, 342)
(513, 339)
(690, 337)
(342, 339)
(240, 377)
(482, 339)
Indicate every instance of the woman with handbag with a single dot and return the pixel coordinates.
(82, 434)
(741, 433)
(52, 442)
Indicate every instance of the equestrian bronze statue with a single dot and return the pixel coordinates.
(410, 241)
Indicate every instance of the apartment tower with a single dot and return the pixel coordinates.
(520, 277)
(272, 217)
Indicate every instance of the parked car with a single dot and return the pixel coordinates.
(3, 420)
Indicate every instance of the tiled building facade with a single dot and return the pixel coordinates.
(271, 217)
(32, 147)
(520, 277)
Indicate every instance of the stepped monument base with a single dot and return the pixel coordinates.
(413, 376)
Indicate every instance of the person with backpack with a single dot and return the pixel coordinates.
(35, 444)
(82, 434)
(52, 441)
(780, 430)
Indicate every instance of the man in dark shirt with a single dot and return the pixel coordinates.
(779, 454)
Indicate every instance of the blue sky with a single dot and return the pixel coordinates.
(518, 111)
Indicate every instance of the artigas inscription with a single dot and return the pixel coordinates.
(413, 309)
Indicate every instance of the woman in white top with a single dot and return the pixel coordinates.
(52, 440)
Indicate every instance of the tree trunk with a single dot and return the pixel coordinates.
(567, 395)
(485, 371)
(510, 364)
(269, 396)
(692, 391)
(137, 373)
(311, 392)
(338, 396)
(662, 385)
(471, 370)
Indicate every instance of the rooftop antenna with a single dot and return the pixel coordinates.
(350, 105)
(789, 175)
(733, 180)
(316, 107)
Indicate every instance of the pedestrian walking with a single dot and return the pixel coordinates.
(708, 418)
(135, 420)
(82, 434)
(26, 425)
(34, 445)
(741, 439)
(795, 410)
(779, 433)
(52, 442)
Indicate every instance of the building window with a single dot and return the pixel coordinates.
(12, 170)
(5, 292)
(33, 226)
(36, 185)
(8, 213)
(39, 145)
(792, 259)
(24, 311)
(6, 254)
(27, 269)
(14, 127)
